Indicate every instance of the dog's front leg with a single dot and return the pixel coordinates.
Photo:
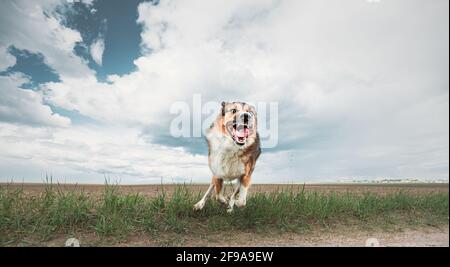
(202, 201)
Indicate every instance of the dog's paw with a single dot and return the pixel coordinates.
(222, 200)
(199, 205)
(230, 206)
(240, 203)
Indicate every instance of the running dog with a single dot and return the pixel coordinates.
(234, 147)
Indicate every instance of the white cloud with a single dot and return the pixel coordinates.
(363, 88)
(97, 48)
(25, 106)
(86, 2)
(91, 151)
(26, 26)
(6, 59)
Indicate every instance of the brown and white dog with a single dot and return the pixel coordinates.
(234, 147)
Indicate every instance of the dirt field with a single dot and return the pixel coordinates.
(153, 190)
(422, 235)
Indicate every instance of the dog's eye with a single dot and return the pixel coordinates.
(233, 110)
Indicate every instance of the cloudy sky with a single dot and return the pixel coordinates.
(86, 86)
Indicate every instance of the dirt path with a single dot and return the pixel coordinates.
(345, 237)
(429, 237)
(425, 237)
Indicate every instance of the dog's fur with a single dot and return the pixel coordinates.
(234, 147)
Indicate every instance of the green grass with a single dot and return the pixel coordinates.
(114, 215)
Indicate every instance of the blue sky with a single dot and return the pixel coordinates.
(32, 65)
(114, 21)
(86, 86)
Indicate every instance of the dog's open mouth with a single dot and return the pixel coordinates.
(240, 133)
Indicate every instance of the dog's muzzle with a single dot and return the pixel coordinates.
(242, 128)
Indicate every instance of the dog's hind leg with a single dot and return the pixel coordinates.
(233, 198)
(202, 201)
(218, 184)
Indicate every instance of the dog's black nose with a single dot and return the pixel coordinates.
(245, 117)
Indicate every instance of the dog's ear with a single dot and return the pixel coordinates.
(223, 108)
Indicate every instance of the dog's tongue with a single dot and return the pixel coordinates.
(242, 132)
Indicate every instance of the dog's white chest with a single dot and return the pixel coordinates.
(224, 159)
